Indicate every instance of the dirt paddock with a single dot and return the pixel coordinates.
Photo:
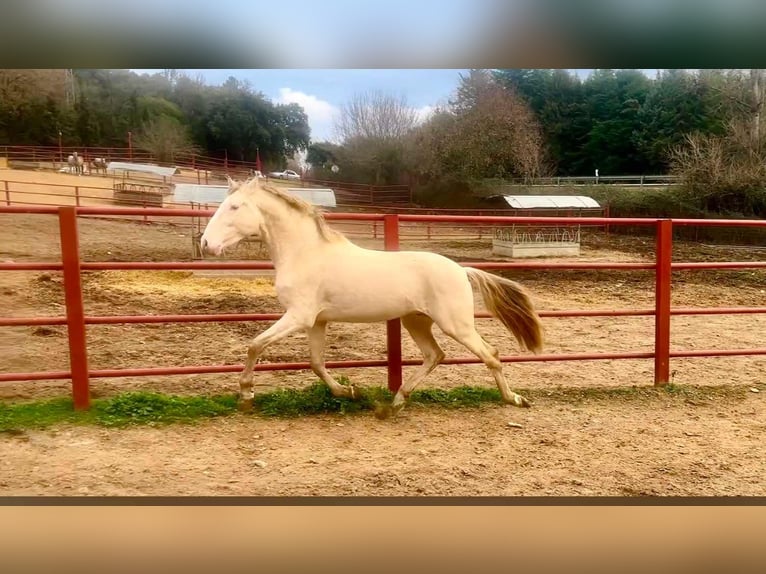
(578, 439)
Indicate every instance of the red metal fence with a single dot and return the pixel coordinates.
(59, 155)
(13, 192)
(76, 320)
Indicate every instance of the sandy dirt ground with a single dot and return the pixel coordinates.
(579, 439)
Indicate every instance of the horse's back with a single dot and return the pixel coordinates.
(398, 265)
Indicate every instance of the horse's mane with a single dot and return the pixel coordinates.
(302, 207)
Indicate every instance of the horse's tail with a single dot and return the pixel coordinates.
(508, 301)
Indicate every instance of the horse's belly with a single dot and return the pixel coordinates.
(360, 309)
(378, 286)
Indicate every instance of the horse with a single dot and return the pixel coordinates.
(98, 164)
(322, 277)
(76, 163)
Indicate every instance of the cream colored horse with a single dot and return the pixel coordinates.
(76, 164)
(322, 277)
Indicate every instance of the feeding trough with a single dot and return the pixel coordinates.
(530, 240)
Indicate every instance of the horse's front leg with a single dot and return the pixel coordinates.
(288, 324)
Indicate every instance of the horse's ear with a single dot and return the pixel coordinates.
(233, 185)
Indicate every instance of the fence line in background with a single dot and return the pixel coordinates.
(71, 265)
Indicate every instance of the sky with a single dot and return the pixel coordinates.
(321, 92)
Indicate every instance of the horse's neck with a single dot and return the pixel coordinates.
(291, 237)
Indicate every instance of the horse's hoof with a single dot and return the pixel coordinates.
(518, 401)
(245, 405)
(354, 393)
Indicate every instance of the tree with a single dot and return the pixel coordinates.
(557, 99)
(165, 138)
(745, 91)
(241, 121)
(373, 128)
(294, 128)
(32, 105)
(375, 115)
(487, 131)
(233, 118)
(679, 103)
(727, 173)
(614, 100)
(322, 154)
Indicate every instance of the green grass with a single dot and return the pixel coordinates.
(143, 408)
(129, 408)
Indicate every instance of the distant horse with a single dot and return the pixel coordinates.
(98, 165)
(322, 277)
(76, 163)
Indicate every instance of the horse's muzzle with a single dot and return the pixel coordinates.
(205, 247)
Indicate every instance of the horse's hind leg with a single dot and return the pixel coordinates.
(419, 328)
(473, 341)
(316, 335)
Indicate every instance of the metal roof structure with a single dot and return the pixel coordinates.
(183, 192)
(324, 197)
(550, 201)
(142, 167)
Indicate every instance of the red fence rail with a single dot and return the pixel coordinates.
(56, 154)
(72, 266)
(17, 193)
(346, 192)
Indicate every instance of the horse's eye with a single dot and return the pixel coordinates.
(234, 207)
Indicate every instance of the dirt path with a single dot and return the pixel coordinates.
(710, 444)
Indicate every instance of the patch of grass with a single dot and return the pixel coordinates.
(141, 408)
(37, 414)
(315, 399)
(122, 410)
(154, 408)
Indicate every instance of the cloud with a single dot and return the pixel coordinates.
(423, 113)
(320, 112)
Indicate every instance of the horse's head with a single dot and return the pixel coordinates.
(236, 218)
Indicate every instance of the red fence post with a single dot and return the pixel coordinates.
(663, 278)
(394, 326)
(75, 312)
